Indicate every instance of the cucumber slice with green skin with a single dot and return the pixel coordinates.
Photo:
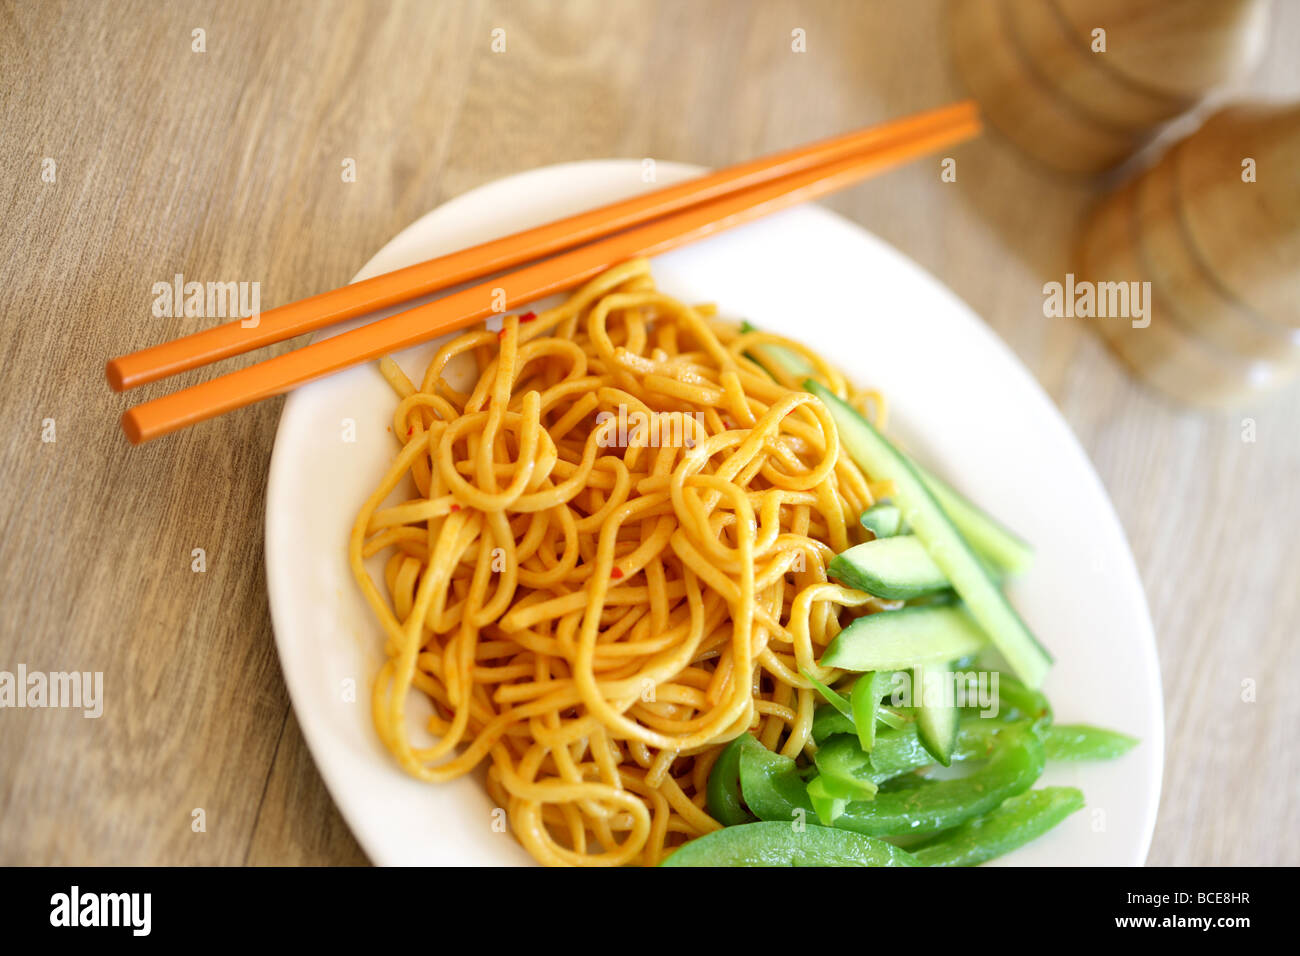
(780, 844)
(878, 458)
(995, 543)
(936, 720)
(999, 550)
(987, 537)
(768, 355)
(901, 640)
(883, 519)
(897, 568)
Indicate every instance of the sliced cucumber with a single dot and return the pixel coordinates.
(879, 459)
(897, 568)
(991, 540)
(768, 356)
(903, 571)
(883, 519)
(936, 720)
(902, 640)
(987, 537)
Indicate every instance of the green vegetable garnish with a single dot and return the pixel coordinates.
(787, 844)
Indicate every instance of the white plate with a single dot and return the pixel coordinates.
(959, 398)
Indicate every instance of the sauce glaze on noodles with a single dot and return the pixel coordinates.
(593, 606)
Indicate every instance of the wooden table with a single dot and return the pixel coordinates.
(225, 165)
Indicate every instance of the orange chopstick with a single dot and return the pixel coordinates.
(369, 295)
(413, 326)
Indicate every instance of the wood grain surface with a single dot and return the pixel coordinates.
(225, 165)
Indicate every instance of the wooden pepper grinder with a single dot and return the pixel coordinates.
(1214, 227)
(1083, 84)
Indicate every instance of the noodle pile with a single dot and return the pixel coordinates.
(614, 563)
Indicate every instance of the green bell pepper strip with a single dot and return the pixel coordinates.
(723, 789)
(828, 800)
(895, 717)
(781, 844)
(771, 784)
(907, 781)
(832, 697)
(1019, 820)
(827, 722)
(1081, 742)
(901, 751)
(845, 769)
(774, 790)
(1016, 762)
(865, 703)
(888, 714)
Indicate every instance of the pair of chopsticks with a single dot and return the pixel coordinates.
(579, 247)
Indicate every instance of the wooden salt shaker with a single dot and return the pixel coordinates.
(1214, 227)
(1083, 84)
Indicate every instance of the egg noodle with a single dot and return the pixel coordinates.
(593, 610)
